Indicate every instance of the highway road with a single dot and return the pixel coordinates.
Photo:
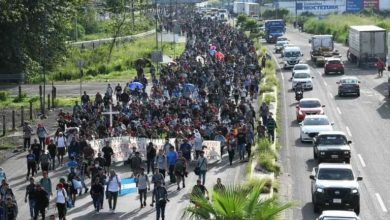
(364, 119)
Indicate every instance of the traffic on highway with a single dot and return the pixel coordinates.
(334, 156)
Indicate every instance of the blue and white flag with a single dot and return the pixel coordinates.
(128, 186)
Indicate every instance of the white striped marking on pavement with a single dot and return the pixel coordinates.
(338, 110)
(326, 84)
(381, 203)
(348, 131)
(331, 95)
(361, 160)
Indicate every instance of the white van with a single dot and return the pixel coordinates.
(291, 55)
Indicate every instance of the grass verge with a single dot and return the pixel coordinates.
(338, 25)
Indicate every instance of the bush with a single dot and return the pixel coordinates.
(102, 69)
(269, 98)
(20, 98)
(266, 88)
(91, 72)
(4, 95)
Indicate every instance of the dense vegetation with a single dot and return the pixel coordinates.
(34, 34)
(338, 25)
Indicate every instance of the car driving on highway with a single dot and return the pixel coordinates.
(300, 68)
(279, 46)
(304, 78)
(338, 215)
(334, 65)
(332, 146)
(349, 85)
(309, 106)
(312, 125)
(334, 185)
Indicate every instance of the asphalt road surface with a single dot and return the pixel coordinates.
(364, 119)
(128, 206)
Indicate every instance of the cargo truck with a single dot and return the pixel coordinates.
(273, 29)
(322, 47)
(388, 52)
(252, 8)
(367, 44)
(239, 8)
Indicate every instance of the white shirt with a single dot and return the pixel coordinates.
(60, 196)
(113, 185)
(60, 142)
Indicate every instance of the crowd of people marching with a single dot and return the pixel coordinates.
(205, 94)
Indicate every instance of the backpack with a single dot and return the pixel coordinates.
(45, 159)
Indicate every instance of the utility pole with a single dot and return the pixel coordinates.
(296, 12)
(44, 66)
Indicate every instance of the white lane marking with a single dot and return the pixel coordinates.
(326, 84)
(338, 110)
(348, 131)
(331, 95)
(381, 203)
(281, 73)
(361, 160)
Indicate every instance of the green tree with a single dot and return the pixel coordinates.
(237, 202)
(34, 33)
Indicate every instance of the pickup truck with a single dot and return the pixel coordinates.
(332, 146)
(335, 186)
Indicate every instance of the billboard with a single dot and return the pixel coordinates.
(354, 6)
(374, 4)
(320, 7)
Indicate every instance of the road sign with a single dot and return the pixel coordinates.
(157, 56)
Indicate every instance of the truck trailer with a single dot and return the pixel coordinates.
(367, 44)
(239, 8)
(322, 47)
(252, 8)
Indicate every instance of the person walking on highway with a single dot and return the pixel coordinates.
(271, 125)
(157, 177)
(42, 201)
(61, 198)
(61, 148)
(118, 92)
(232, 145)
(171, 159)
(136, 163)
(41, 133)
(52, 148)
(198, 141)
(180, 170)
(45, 161)
(264, 110)
(31, 164)
(241, 143)
(30, 195)
(107, 154)
(27, 132)
(45, 183)
(143, 184)
(37, 151)
(202, 164)
(150, 157)
(219, 187)
(97, 194)
(161, 162)
(160, 197)
(113, 189)
(380, 65)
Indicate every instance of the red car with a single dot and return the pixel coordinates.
(309, 106)
(334, 65)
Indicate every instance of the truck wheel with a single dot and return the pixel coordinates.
(358, 93)
(357, 209)
(359, 63)
(316, 208)
(326, 72)
(315, 155)
(348, 160)
(342, 72)
(319, 160)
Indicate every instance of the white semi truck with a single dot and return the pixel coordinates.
(367, 44)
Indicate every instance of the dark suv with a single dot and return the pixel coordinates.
(334, 65)
(332, 146)
(334, 186)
